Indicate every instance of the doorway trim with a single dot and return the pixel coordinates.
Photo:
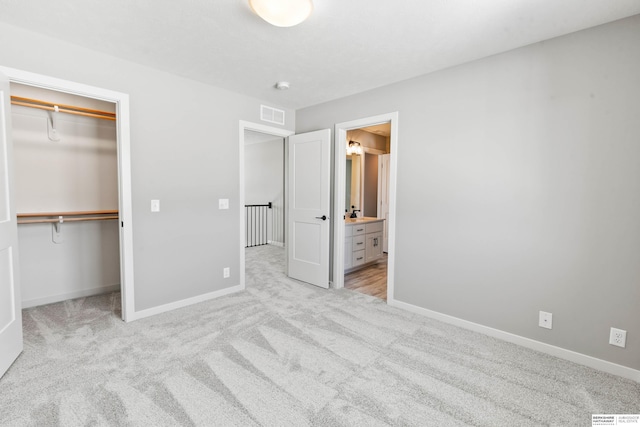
(125, 207)
(339, 195)
(269, 130)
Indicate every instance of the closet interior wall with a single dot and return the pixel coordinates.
(77, 173)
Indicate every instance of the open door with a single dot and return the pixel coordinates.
(383, 197)
(308, 219)
(10, 305)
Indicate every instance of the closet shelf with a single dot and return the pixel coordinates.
(62, 108)
(45, 217)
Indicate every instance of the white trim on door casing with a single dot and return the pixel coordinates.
(125, 207)
(269, 130)
(339, 195)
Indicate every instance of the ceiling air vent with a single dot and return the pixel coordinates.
(271, 115)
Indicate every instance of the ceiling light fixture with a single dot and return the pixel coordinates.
(354, 147)
(282, 85)
(282, 13)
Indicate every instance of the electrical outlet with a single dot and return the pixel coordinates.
(545, 320)
(618, 337)
(226, 272)
(223, 203)
(155, 206)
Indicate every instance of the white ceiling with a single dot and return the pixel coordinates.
(346, 47)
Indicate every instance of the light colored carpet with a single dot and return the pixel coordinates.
(284, 353)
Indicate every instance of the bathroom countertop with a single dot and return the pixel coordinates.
(361, 220)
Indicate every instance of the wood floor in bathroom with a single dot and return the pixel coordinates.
(371, 280)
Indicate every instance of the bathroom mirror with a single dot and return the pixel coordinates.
(353, 176)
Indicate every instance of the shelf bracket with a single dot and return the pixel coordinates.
(52, 129)
(56, 231)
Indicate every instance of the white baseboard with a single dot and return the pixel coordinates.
(185, 302)
(70, 295)
(572, 356)
(274, 243)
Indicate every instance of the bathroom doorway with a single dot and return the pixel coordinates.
(366, 210)
(364, 228)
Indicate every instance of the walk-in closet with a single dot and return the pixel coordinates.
(66, 194)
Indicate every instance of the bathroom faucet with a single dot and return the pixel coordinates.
(353, 214)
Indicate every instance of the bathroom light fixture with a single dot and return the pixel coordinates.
(354, 147)
(282, 13)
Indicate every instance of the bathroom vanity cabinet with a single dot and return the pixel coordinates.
(362, 242)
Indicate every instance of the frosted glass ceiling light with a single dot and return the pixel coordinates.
(282, 13)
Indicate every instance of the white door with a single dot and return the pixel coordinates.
(10, 306)
(308, 223)
(383, 196)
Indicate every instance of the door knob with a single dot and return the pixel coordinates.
(323, 217)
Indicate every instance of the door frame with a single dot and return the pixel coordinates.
(382, 185)
(125, 207)
(269, 130)
(339, 195)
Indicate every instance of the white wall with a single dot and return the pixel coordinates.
(368, 139)
(87, 262)
(519, 188)
(184, 152)
(76, 173)
(264, 182)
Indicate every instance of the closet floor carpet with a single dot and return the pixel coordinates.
(288, 354)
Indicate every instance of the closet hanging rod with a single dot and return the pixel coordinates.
(63, 108)
(64, 220)
(62, 217)
(64, 214)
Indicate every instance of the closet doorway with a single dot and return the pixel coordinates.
(72, 190)
(66, 195)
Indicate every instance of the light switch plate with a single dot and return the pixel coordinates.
(155, 206)
(223, 203)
